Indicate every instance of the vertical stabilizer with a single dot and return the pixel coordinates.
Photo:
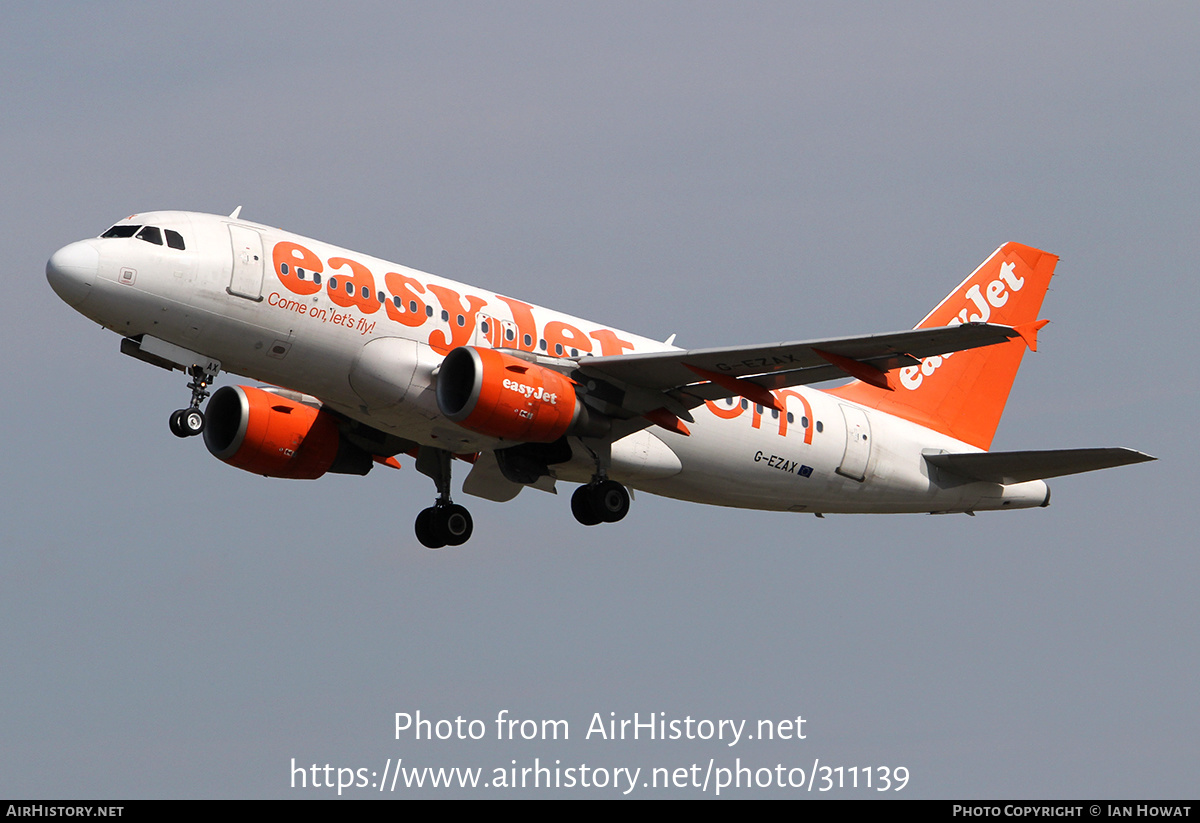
(963, 394)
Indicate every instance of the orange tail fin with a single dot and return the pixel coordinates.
(963, 394)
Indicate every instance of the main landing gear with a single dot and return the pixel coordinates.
(601, 501)
(444, 523)
(190, 421)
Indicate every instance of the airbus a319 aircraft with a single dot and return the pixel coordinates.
(369, 361)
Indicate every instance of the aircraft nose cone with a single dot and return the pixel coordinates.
(71, 271)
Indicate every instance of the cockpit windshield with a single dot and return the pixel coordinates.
(151, 234)
(121, 230)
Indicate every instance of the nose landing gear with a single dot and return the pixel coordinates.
(187, 422)
(190, 421)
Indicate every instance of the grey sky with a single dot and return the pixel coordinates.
(175, 627)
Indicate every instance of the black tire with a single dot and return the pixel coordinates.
(454, 524)
(176, 423)
(582, 507)
(426, 533)
(610, 500)
(191, 421)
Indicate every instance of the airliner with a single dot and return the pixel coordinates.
(366, 362)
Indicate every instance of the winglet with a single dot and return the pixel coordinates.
(234, 214)
(1028, 332)
(856, 368)
(664, 418)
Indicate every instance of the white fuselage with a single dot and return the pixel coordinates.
(368, 337)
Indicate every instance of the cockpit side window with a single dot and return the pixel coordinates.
(174, 239)
(121, 230)
(151, 234)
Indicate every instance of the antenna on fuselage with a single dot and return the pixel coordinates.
(236, 212)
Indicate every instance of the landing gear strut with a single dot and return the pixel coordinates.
(444, 523)
(190, 421)
(601, 501)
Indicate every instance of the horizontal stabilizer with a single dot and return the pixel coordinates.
(1018, 467)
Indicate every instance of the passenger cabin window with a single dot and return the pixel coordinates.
(121, 231)
(174, 239)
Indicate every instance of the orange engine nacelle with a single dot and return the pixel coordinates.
(271, 435)
(496, 394)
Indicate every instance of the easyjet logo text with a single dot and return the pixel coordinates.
(531, 392)
(458, 319)
(980, 302)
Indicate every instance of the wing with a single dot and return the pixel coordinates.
(644, 385)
